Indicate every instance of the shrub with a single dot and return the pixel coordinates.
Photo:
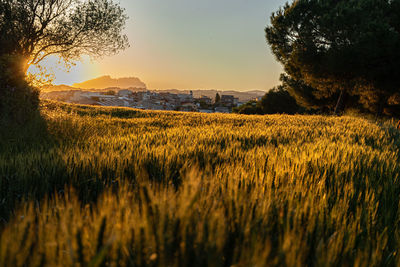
(276, 101)
(251, 107)
(19, 101)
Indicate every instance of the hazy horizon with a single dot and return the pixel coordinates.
(188, 44)
(76, 85)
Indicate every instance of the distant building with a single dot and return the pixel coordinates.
(125, 93)
(229, 100)
(205, 99)
(186, 97)
(127, 98)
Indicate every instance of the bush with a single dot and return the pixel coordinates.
(19, 101)
(276, 101)
(251, 107)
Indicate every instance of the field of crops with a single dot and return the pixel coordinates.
(94, 186)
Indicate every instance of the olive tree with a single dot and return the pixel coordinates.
(36, 29)
(31, 30)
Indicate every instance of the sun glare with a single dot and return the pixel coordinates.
(54, 71)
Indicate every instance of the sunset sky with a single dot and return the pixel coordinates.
(190, 44)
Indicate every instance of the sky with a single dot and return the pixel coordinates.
(189, 44)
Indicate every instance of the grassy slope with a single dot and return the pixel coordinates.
(132, 187)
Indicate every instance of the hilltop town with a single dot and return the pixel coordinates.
(132, 92)
(146, 99)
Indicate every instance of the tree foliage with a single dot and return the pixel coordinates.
(36, 29)
(217, 98)
(31, 30)
(339, 46)
(19, 101)
(276, 101)
(249, 108)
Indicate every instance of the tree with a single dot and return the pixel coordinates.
(18, 101)
(31, 30)
(275, 101)
(278, 100)
(251, 107)
(340, 48)
(217, 98)
(36, 29)
(307, 96)
(203, 104)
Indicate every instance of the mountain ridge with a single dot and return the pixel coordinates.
(107, 81)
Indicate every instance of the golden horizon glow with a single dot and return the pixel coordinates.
(188, 44)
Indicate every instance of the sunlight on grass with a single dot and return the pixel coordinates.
(135, 188)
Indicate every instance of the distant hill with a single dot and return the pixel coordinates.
(52, 88)
(63, 87)
(107, 82)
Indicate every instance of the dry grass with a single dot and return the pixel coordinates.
(121, 187)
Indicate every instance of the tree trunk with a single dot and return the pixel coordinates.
(340, 103)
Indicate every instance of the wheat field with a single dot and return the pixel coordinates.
(91, 186)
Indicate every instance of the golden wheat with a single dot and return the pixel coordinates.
(122, 187)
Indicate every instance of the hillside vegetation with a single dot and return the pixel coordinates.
(123, 187)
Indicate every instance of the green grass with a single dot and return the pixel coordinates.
(91, 186)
